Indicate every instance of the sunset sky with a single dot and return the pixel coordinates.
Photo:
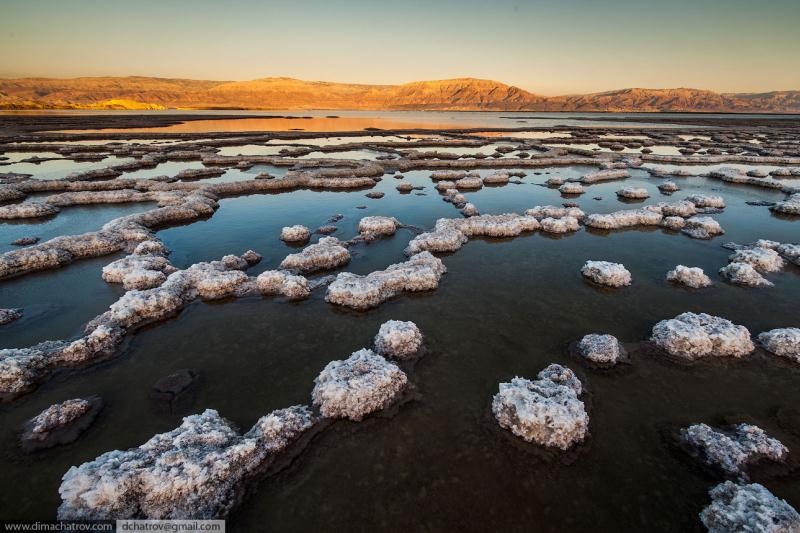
(558, 47)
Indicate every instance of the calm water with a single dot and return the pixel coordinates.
(505, 308)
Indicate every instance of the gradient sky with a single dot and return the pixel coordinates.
(547, 47)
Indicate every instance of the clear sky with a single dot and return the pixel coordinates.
(547, 47)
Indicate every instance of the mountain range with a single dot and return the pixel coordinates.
(462, 94)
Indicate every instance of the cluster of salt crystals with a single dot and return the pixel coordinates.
(784, 342)
(27, 210)
(702, 228)
(296, 233)
(420, 273)
(571, 188)
(733, 449)
(601, 349)
(378, 226)
(633, 193)
(9, 315)
(327, 254)
(748, 508)
(691, 336)
(194, 471)
(789, 206)
(546, 410)
(59, 415)
(693, 277)
(747, 263)
(398, 339)
(145, 268)
(606, 273)
(604, 175)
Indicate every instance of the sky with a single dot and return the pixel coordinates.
(546, 47)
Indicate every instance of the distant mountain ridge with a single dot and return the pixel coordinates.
(461, 94)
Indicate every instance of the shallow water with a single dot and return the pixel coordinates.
(505, 308)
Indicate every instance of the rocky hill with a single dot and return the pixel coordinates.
(461, 94)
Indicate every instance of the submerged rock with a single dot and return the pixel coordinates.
(744, 274)
(546, 410)
(376, 225)
(782, 341)
(693, 277)
(361, 384)
(606, 273)
(420, 273)
(194, 471)
(296, 233)
(327, 254)
(692, 336)
(702, 228)
(732, 450)
(61, 423)
(601, 350)
(397, 339)
(748, 508)
(8, 316)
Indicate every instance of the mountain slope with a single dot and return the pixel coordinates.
(460, 94)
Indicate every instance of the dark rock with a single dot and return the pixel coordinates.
(375, 195)
(9, 315)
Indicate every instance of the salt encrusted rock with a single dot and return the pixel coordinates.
(10, 194)
(398, 339)
(326, 230)
(602, 175)
(702, 228)
(571, 188)
(565, 224)
(633, 193)
(450, 175)
(375, 195)
(404, 187)
(554, 181)
(692, 336)
(25, 241)
(606, 273)
(496, 178)
(151, 247)
(469, 210)
(27, 210)
(9, 315)
(683, 208)
(732, 450)
(327, 254)
(790, 252)
(790, 206)
(445, 185)
(762, 259)
(138, 271)
(748, 508)
(376, 225)
(545, 411)
(693, 277)
(673, 223)
(280, 282)
(439, 241)
(704, 200)
(60, 423)
(251, 257)
(782, 341)
(297, 233)
(420, 273)
(602, 350)
(668, 187)
(624, 219)
(361, 384)
(744, 274)
(194, 471)
(552, 211)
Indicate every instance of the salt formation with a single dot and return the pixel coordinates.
(445, 185)
(470, 182)
(327, 254)
(693, 277)
(790, 206)
(554, 181)
(571, 188)
(692, 336)
(27, 210)
(702, 228)
(546, 410)
(603, 175)
(668, 187)
(748, 508)
(673, 223)
(704, 200)
(762, 259)
(625, 219)
(782, 341)
(280, 282)
(684, 208)
(376, 225)
(496, 178)
(449, 235)
(9, 315)
(606, 273)
(295, 233)
(144, 269)
(194, 471)
(732, 450)
(398, 339)
(633, 193)
(61, 423)
(420, 273)
(565, 224)
(602, 350)
(450, 175)
(469, 210)
(404, 187)
(790, 252)
(744, 274)
(361, 384)
(552, 211)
